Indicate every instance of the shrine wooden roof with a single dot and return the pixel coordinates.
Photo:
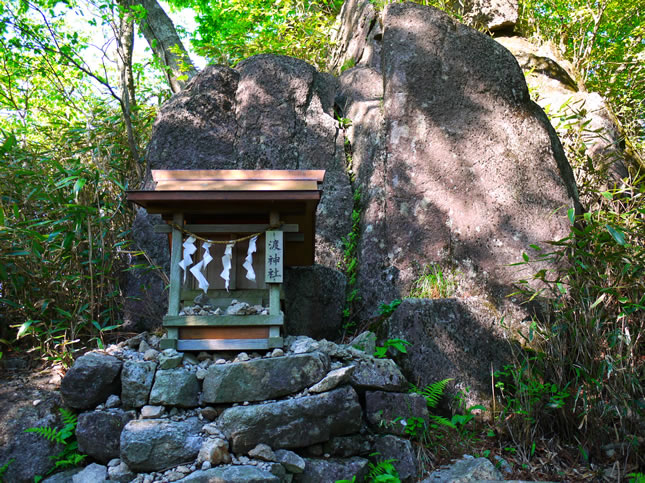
(207, 190)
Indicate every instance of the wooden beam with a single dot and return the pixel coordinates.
(239, 174)
(228, 228)
(144, 197)
(229, 344)
(294, 237)
(237, 185)
(218, 333)
(221, 320)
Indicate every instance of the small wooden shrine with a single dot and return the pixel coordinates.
(231, 234)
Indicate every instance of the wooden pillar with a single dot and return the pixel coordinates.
(174, 292)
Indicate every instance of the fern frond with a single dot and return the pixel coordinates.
(50, 434)
(442, 421)
(383, 471)
(72, 460)
(69, 418)
(432, 392)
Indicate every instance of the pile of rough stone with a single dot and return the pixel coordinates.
(203, 306)
(313, 412)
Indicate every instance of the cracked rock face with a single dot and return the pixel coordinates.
(552, 78)
(457, 165)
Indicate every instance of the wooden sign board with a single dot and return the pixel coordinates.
(273, 271)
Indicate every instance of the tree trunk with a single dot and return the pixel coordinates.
(162, 37)
(124, 48)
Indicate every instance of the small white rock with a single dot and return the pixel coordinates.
(113, 401)
(277, 352)
(242, 357)
(150, 355)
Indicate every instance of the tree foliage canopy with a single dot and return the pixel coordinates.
(231, 30)
(605, 40)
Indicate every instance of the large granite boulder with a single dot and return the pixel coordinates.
(457, 166)
(357, 20)
(90, 381)
(156, 444)
(146, 300)
(99, 433)
(270, 112)
(196, 128)
(261, 379)
(292, 423)
(453, 338)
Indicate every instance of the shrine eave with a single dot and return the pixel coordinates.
(178, 201)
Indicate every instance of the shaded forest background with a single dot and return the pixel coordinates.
(77, 102)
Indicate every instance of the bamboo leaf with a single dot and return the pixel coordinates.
(24, 328)
(617, 234)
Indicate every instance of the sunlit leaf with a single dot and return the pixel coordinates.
(24, 328)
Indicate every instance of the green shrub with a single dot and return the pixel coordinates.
(385, 310)
(348, 64)
(396, 344)
(589, 345)
(64, 230)
(4, 468)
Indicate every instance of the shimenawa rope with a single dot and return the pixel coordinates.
(222, 242)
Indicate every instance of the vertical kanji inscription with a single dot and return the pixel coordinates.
(274, 256)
